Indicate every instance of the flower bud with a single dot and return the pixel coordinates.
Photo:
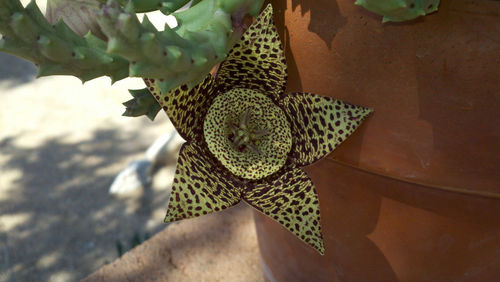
(79, 15)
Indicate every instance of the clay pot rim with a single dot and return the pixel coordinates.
(476, 193)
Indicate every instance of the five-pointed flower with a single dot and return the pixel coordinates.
(246, 138)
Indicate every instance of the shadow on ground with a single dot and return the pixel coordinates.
(16, 71)
(220, 246)
(59, 222)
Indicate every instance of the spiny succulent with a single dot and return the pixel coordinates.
(247, 138)
(55, 49)
(143, 103)
(204, 34)
(141, 6)
(399, 10)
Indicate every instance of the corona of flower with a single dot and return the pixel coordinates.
(247, 138)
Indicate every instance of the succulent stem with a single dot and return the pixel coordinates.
(183, 55)
(143, 6)
(56, 49)
(143, 103)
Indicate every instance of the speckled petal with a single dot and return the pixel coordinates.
(186, 108)
(257, 61)
(200, 185)
(292, 201)
(319, 124)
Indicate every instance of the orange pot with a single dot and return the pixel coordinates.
(414, 194)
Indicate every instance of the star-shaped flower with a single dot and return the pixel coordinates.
(247, 139)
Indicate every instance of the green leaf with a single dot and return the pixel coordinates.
(143, 103)
(399, 10)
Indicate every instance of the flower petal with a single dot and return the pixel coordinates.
(257, 61)
(186, 108)
(319, 124)
(292, 201)
(200, 186)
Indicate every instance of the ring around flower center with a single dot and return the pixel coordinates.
(247, 133)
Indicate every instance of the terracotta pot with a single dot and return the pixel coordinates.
(414, 194)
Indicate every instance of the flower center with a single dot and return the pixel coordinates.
(247, 133)
(243, 136)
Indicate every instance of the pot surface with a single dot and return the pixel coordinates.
(380, 229)
(414, 194)
(432, 82)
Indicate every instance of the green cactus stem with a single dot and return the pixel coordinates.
(169, 6)
(142, 6)
(56, 49)
(183, 55)
(143, 103)
(399, 10)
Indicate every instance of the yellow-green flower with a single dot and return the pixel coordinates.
(247, 139)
